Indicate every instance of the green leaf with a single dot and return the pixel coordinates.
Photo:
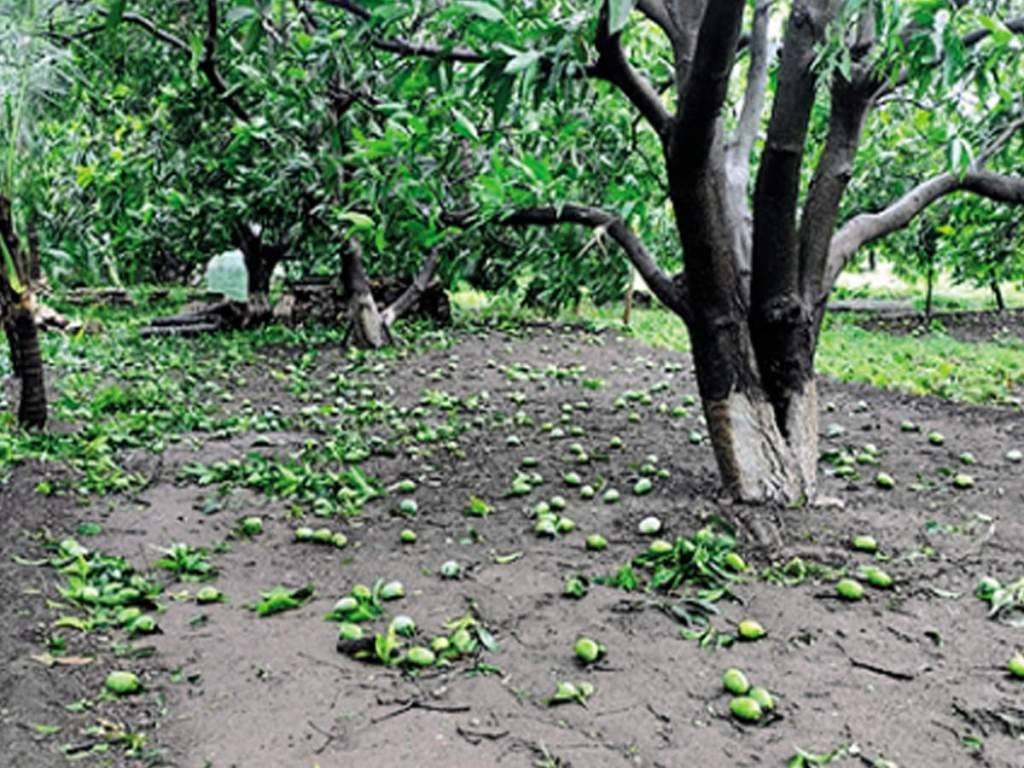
(960, 155)
(524, 60)
(618, 14)
(464, 125)
(238, 13)
(1001, 34)
(358, 220)
(485, 11)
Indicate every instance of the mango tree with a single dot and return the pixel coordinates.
(759, 207)
(236, 126)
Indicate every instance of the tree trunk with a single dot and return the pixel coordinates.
(997, 292)
(930, 295)
(260, 261)
(366, 326)
(259, 286)
(627, 310)
(28, 363)
(12, 343)
(35, 269)
(766, 447)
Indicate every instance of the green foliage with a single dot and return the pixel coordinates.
(106, 589)
(280, 599)
(188, 563)
(937, 123)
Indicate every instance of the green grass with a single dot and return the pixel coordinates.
(120, 392)
(933, 364)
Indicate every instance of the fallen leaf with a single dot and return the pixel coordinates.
(61, 661)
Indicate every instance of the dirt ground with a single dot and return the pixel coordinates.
(974, 326)
(915, 676)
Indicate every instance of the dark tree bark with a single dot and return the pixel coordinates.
(14, 346)
(23, 337)
(18, 317)
(997, 294)
(261, 260)
(35, 268)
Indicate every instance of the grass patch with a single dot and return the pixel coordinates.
(934, 364)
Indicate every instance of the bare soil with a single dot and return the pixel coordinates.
(915, 675)
(970, 326)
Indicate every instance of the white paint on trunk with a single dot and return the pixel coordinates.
(756, 463)
(367, 325)
(802, 437)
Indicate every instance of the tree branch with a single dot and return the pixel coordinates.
(149, 26)
(657, 12)
(402, 47)
(708, 81)
(868, 227)
(776, 268)
(1015, 25)
(660, 283)
(971, 39)
(687, 18)
(851, 100)
(208, 65)
(613, 66)
(412, 294)
(738, 152)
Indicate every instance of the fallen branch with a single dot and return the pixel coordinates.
(420, 704)
(878, 670)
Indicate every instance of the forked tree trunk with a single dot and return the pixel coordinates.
(27, 359)
(366, 326)
(765, 438)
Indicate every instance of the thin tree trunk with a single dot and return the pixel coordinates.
(929, 296)
(259, 272)
(366, 325)
(28, 360)
(627, 310)
(997, 292)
